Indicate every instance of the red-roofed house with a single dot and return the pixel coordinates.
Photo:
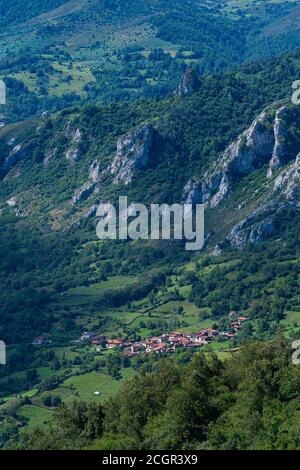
(114, 343)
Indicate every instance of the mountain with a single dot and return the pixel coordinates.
(162, 102)
(59, 53)
(232, 144)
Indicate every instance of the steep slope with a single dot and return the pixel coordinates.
(238, 151)
(60, 52)
(93, 153)
(271, 144)
(20, 11)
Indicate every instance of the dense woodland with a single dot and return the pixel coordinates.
(251, 401)
(43, 73)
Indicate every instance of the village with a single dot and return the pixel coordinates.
(166, 342)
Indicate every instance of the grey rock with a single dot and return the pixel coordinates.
(77, 136)
(94, 171)
(12, 202)
(73, 154)
(91, 212)
(133, 153)
(250, 151)
(188, 83)
(192, 192)
(49, 155)
(265, 142)
(83, 193)
(17, 154)
(288, 183)
(280, 152)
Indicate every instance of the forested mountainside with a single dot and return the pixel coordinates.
(56, 170)
(57, 53)
(230, 141)
(250, 401)
(163, 102)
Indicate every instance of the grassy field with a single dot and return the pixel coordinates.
(86, 385)
(35, 415)
(81, 387)
(86, 295)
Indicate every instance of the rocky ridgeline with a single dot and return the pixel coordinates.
(260, 224)
(22, 150)
(267, 142)
(133, 154)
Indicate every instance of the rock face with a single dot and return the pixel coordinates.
(16, 155)
(192, 192)
(280, 152)
(133, 153)
(73, 153)
(83, 193)
(288, 183)
(188, 83)
(265, 142)
(91, 212)
(259, 225)
(255, 228)
(49, 155)
(94, 171)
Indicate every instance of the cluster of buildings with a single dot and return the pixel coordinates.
(167, 342)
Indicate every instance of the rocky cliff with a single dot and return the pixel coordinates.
(188, 83)
(268, 143)
(133, 153)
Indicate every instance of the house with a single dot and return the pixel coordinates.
(198, 344)
(40, 341)
(232, 314)
(100, 341)
(236, 326)
(158, 348)
(210, 332)
(184, 341)
(230, 335)
(86, 336)
(155, 339)
(114, 343)
(135, 348)
(173, 336)
(197, 337)
(242, 319)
